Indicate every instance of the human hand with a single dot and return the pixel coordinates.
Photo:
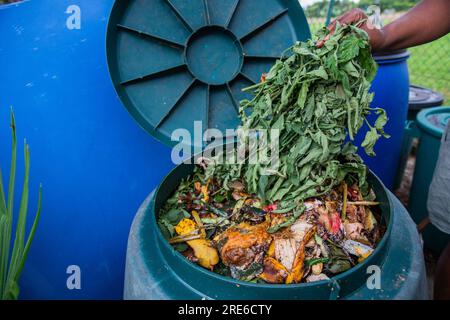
(376, 36)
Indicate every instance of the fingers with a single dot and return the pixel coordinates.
(352, 16)
(332, 26)
(349, 17)
(321, 42)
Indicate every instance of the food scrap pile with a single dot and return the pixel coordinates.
(313, 217)
(231, 233)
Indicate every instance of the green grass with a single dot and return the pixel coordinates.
(429, 66)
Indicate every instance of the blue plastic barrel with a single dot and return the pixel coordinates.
(391, 88)
(96, 165)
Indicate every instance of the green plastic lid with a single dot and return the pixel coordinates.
(434, 120)
(175, 62)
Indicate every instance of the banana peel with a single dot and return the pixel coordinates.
(206, 254)
(271, 250)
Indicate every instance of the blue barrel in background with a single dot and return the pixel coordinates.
(391, 89)
(95, 163)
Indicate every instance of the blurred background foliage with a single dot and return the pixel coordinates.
(320, 8)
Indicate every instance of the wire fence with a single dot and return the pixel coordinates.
(429, 64)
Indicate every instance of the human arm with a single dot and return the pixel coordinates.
(426, 22)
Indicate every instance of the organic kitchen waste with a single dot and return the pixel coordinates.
(313, 217)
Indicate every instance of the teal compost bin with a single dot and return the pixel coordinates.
(430, 124)
(154, 270)
(419, 98)
(177, 64)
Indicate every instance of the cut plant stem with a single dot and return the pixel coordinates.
(363, 203)
(184, 238)
(191, 233)
(344, 202)
(199, 223)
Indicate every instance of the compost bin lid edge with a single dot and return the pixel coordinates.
(179, 64)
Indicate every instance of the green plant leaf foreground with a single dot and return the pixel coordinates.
(319, 99)
(12, 261)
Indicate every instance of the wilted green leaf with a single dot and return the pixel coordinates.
(369, 141)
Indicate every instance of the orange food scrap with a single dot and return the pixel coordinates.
(298, 271)
(274, 271)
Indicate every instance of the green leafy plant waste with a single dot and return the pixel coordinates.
(319, 99)
(12, 261)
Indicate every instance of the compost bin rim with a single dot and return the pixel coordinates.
(425, 125)
(342, 276)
